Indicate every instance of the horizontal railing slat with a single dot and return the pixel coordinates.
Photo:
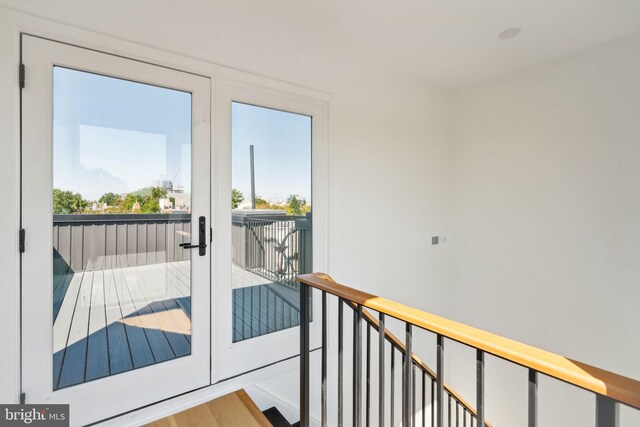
(618, 387)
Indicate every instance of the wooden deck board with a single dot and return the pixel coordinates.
(120, 359)
(73, 365)
(177, 305)
(181, 319)
(115, 320)
(62, 324)
(159, 343)
(148, 280)
(139, 346)
(97, 346)
(60, 291)
(182, 284)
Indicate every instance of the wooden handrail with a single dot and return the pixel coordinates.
(618, 387)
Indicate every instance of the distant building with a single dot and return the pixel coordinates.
(166, 205)
(98, 207)
(175, 202)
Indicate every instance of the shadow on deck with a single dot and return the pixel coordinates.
(115, 320)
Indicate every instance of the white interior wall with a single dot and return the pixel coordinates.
(532, 180)
(388, 193)
(546, 217)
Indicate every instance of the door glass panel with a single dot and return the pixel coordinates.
(121, 207)
(271, 217)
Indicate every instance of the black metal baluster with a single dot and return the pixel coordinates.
(393, 383)
(323, 411)
(607, 412)
(464, 417)
(413, 393)
(439, 379)
(449, 409)
(433, 406)
(480, 386)
(357, 366)
(304, 355)
(368, 380)
(424, 399)
(457, 414)
(407, 379)
(381, 338)
(340, 362)
(533, 398)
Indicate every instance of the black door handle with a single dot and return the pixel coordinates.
(190, 246)
(202, 238)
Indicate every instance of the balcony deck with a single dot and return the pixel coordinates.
(115, 320)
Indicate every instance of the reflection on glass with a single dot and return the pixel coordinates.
(121, 207)
(271, 219)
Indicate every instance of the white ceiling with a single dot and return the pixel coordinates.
(445, 43)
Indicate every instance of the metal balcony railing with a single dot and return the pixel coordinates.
(94, 242)
(276, 247)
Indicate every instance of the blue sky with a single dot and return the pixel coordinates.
(113, 135)
(282, 150)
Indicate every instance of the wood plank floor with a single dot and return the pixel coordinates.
(232, 410)
(115, 320)
(112, 321)
(262, 309)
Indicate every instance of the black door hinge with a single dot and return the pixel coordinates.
(21, 76)
(23, 398)
(21, 234)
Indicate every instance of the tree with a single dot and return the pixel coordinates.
(236, 198)
(147, 198)
(293, 207)
(158, 193)
(150, 205)
(68, 202)
(110, 199)
(129, 200)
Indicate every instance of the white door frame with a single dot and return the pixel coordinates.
(236, 358)
(109, 396)
(14, 23)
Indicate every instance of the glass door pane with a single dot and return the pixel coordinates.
(121, 208)
(271, 218)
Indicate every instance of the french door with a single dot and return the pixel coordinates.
(116, 207)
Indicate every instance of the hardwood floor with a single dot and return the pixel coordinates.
(232, 410)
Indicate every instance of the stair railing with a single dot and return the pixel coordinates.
(610, 389)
